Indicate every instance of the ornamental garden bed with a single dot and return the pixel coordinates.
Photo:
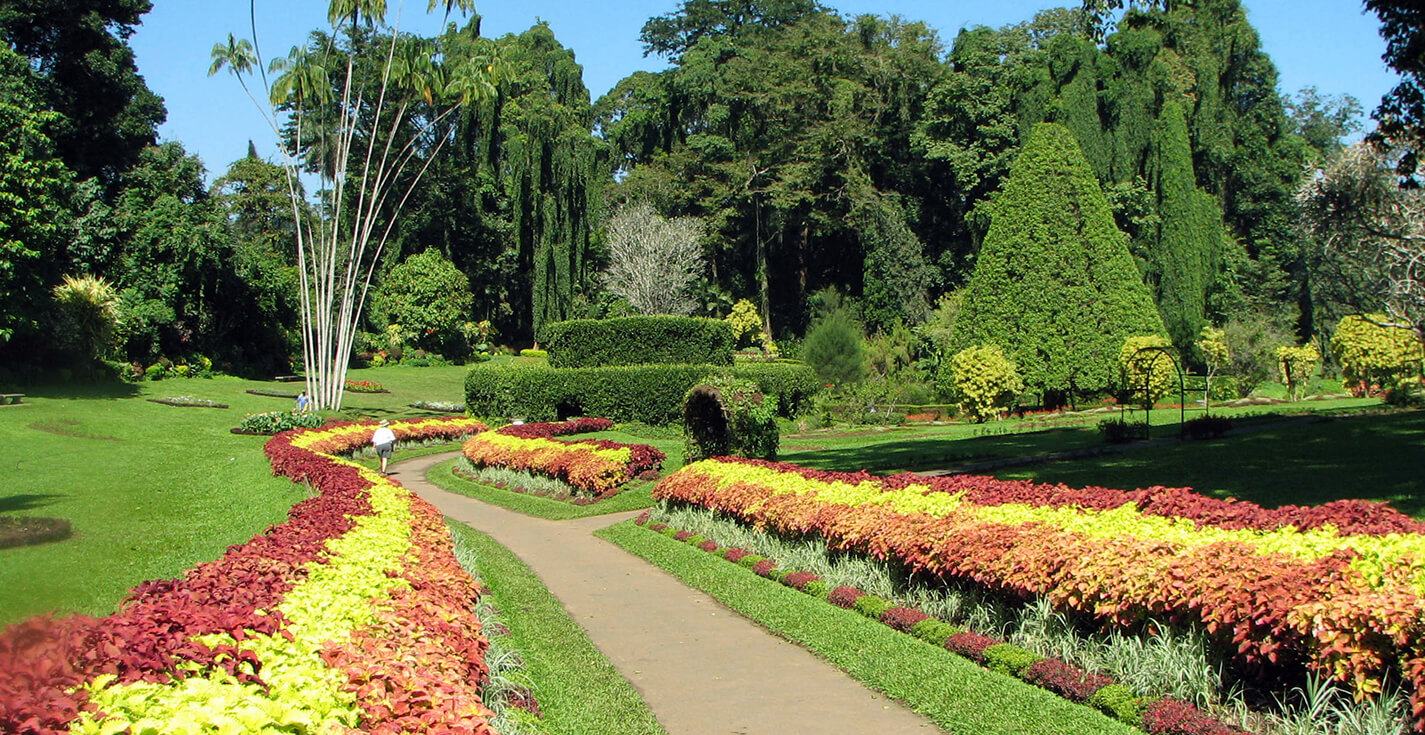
(188, 402)
(1329, 591)
(595, 469)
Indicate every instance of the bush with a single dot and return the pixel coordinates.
(1069, 682)
(935, 632)
(1373, 354)
(903, 619)
(1146, 373)
(1296, 365)
(872, 606)
(816, 588)
(534, 353)
(276, 422)
(728, 416)
(982, 379)
(1118, 431)
(1408, 394)
(1007, 658)
(1119, 702)
(638, 340)
(845, 597)
(1207, 427)
(429, 298)
(971, 645)
(833, 348)
(651, 394)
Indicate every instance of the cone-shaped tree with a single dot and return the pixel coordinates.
(1183, 259)
(1054, 285)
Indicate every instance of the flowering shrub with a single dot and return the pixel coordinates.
(1336, 587)
(1069, 682)
(351, 614)
(1174, 717)
(593, 465)
(845, 596)
(274, 422)
(365, 386)
(902, 618)
(971, 645)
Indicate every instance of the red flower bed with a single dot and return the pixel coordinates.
(798, 580)
(903, 618)
(1172, 717)
(594, 465)
(971, 645)
(845, 596)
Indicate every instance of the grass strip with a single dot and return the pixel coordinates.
(579, 691)
(636, 496)
(956, 694)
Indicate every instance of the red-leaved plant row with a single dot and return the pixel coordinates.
(1273, 609)
(1162, 715)
(577, 467)
(417, 670)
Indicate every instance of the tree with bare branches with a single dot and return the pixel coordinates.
(366, 141)
(653, 259)
(1371, 237)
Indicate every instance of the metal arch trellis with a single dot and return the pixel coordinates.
(1138, 363)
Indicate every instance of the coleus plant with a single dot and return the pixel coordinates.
(1339, 593)
(597, 466)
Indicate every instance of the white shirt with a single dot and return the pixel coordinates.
(383, 435)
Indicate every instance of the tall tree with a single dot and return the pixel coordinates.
(80, 53)
(1054, 285)
(1401, 113)
(375, 143)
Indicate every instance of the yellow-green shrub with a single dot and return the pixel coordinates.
(984, 380)
(1372, 354)
(1146, 367)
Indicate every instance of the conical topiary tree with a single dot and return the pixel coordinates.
(1054, 284)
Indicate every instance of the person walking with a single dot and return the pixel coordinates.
(303, 402)
(384, 440)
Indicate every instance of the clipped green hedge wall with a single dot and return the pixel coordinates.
(652, 394)
(638, 340)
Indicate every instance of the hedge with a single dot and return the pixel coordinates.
(651, 394)
(638, 340)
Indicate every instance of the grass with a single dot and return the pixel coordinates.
(578, 690)
(637, 495)
(1375, 457)
(916, 448)
(954, 693)
(150, 489)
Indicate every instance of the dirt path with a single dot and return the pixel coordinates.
(702, 669)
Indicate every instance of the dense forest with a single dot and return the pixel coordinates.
(823, 158)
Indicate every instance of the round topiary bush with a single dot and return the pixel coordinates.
(726, 416)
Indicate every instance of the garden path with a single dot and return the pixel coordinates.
(701, 668)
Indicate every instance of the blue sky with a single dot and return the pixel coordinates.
(1330, 44)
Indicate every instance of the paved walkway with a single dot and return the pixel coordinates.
(702, 669)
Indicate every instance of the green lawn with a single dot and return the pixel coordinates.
(1376, 457)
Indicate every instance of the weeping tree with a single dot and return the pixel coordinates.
(364, 110)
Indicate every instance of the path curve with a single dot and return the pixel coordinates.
(702, 669)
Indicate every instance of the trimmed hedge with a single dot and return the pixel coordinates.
(652, 394)
(638, 340)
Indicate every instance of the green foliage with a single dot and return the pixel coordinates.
(1147, 373)
(1296, 365)
(897, 277)
(1183, 257)
(817, 588)
(1252, 345)
(934, 631)
(651, 394)
(983, 380)
(1007, 658)
(1119, 702)
(746, 325)
(751, 560)
(274, 422)
(638, 340)
(430, 298)
(833, 348)
(91, 306)
(1054, 284)
(1373, 354)
(725, 416)
(872, 606)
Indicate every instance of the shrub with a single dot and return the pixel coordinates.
(845, 596)
(746, 325)
(751, 560)
(729, 416)
(735, 555)
(638, 340)
(1173, 717)
(1372, 354)
(1007, 658)
(799, 580)
(935, 632)
(794, 384)
(903, 618)
(833, 348)
(534, 353)
(364, 386)
(872, 606)
(1119, 702)
(650, 394)
(1147, 373)
(816, 588)
(276, 422)
(768, 568)
(1118, 431)
(429, 298)
(708, 546)
(1207, 427)
(1296, 365)
(971, 645)
(1067, 681)
(983, 380)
